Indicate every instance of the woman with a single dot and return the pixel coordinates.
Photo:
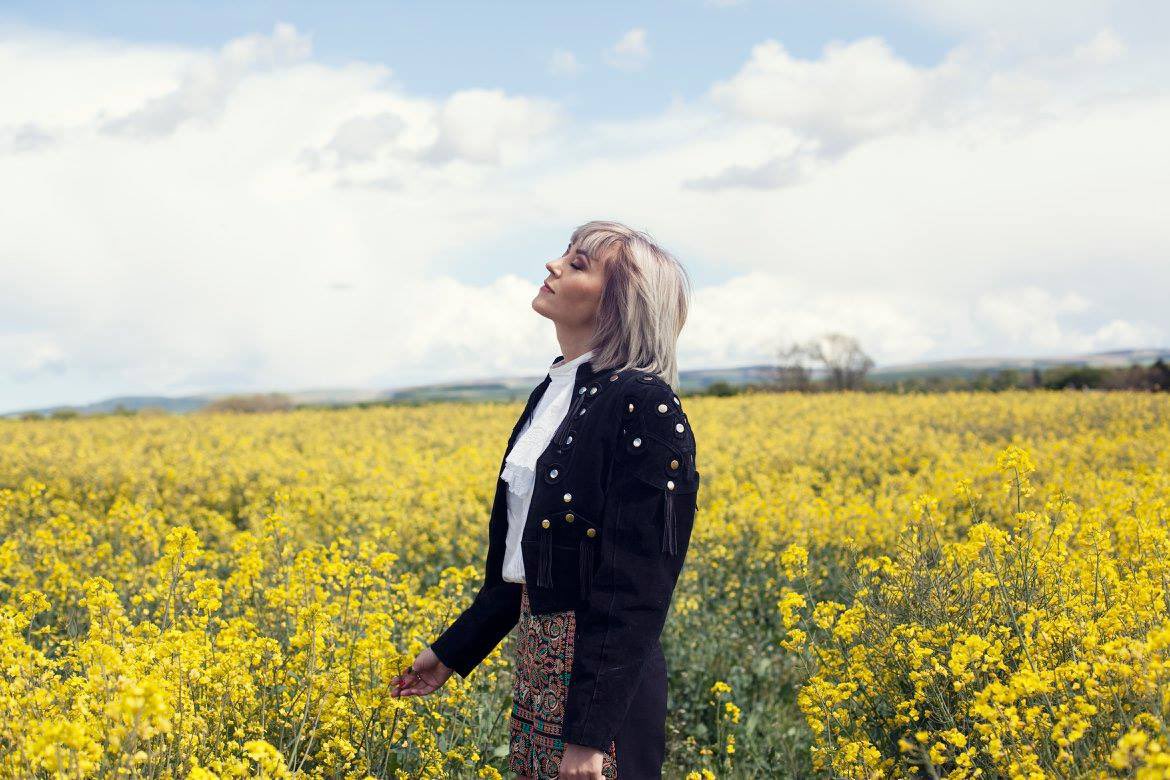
(591, 522)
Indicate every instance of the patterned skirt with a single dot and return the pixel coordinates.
(543, 662)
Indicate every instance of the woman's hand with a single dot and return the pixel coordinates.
(424, 676)
(580, 763)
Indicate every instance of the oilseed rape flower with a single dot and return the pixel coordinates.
(795, 561)
(960, 585)
(720, 688)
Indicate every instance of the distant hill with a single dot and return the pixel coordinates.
(517, 388)
(966, 367)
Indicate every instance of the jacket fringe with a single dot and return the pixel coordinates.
(585, 561)
(669, 533)
(544, 570)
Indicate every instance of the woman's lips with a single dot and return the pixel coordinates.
(544, 286)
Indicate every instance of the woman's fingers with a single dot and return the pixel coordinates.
(404, 680)
(419, 682)
(417, 690)
(422, 684)
(412, 683)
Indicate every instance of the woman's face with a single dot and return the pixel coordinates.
(571, 294)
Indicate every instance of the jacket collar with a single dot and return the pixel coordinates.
(585, 371)
(569, 369)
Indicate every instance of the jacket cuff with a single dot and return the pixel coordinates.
(476, 632)
(446, 654)
(580, 735)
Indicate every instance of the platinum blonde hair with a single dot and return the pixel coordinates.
(643, 304)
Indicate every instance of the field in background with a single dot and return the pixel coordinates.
(973, 584)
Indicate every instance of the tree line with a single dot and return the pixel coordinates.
(836, 361)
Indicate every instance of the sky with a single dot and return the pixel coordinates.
(252, 197)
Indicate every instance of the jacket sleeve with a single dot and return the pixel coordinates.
(483, 625)
(496, 607)
(650, 505)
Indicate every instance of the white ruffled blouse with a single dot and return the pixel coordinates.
(520, 465)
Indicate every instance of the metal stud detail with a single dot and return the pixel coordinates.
(673, 465)
(637, 442)
(662, 407)
(613, 377)
(569, 440)
(569, 517)
(591, 532)
(593, 391)
(675, 397)
(580, 389)
(568, 497)
(552, 473)
(670, 484)
(544, 523)
(679, 427)
(630, 408)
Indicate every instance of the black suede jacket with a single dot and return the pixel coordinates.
(606, 534)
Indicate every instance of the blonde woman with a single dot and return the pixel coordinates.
(591, 521)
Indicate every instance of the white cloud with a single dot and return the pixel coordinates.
(359, 139)
(861, 90)
(1030, 315)
(286, 223)
(29, 354)
(208, 84)
(854, 91)
(630, 52)
(1106, 46)
(1038, 319)
(27, 137)
(750, 316)
(487, 126)
(1123, 334)
(215, 252)
(564, 63)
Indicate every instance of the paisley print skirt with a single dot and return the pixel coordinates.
(543, 662)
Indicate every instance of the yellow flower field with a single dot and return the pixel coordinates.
(955, 585)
